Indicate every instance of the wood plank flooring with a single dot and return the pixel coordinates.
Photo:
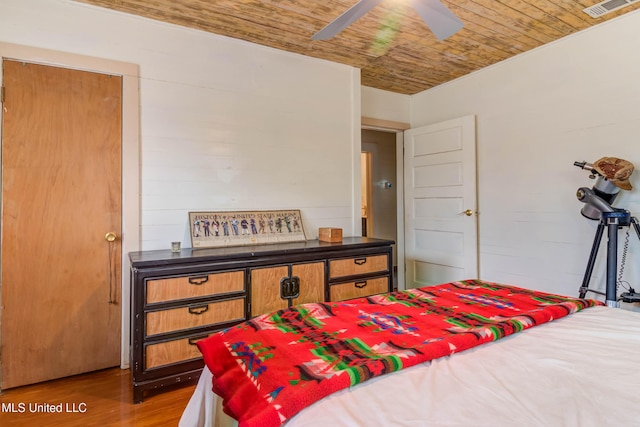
(102, 398)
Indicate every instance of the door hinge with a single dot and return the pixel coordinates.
(1, 94)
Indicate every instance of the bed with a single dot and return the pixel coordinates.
(577, 367)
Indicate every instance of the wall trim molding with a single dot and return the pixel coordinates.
(370, 122)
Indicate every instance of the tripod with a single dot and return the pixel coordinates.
(612, 221)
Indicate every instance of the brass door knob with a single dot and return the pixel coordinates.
(111, 236)
(468, 212)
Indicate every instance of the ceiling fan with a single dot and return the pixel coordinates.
(440, 20)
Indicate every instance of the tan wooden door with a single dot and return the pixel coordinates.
(61, 193)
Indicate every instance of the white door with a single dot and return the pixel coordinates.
(440, 203)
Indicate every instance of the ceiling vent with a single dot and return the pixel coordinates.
(602, 8)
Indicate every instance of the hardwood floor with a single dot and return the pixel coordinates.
(102, 398)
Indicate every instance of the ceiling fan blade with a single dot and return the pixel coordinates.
(440, 20)
(354, 13)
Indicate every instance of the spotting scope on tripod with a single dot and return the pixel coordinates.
(612, 175)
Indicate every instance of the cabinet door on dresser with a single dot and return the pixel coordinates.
(269, 286)
(358, 276)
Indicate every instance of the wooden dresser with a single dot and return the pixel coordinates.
(180, 298)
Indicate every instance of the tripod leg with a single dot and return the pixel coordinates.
(612, 262)
(592, 259)
(636, 226)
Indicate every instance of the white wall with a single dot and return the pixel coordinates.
(573, 100)
(385, 105)
(225, 124)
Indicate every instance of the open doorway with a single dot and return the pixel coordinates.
(367, 193)
(379, 188)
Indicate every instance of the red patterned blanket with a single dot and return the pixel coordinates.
(269, 368)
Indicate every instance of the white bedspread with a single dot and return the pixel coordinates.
(582, 370)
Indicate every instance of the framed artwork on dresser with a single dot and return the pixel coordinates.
(238, 228)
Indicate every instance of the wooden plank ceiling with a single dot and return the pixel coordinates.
(391, 45)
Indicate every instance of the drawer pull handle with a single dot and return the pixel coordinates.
(199, 309)
(198, 280)
(360, 261)
(361, 285)
(290, 287)
(194, 340)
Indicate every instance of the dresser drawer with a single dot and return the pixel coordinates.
(195, 315)
(358, 289)
(170, 352)
(358, 265)
(195, 286)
